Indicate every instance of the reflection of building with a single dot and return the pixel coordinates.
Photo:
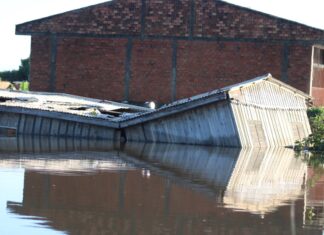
(126, 203)
(41, 144)
(314, 200)
(177, 197)
(264, 179)
(60, 154)
(256, 180)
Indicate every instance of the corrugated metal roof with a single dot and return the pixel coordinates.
(205, 98)
(65, 103)
(70, 104)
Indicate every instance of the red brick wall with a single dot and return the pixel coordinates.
(204, 66)
(220, 19)
(318, 84)
(299, 69)
(40, 63)
(91, 67)
(151, 71)
(168, 17)
(95, 67)
(230, 44)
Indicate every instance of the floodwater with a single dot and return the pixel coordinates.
(62, 186)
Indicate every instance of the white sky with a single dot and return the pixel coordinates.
(13, 48)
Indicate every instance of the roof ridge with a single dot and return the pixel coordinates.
(111, 2)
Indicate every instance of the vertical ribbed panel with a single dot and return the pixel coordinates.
(206, 125)
(41, 126)
(268, 114)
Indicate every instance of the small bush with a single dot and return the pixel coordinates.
(315, 141)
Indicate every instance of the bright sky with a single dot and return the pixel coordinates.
(13, 48)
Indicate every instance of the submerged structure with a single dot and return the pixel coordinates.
(259, 112)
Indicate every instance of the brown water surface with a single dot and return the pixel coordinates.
(64, 186)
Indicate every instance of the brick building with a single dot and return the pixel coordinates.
(141, 50)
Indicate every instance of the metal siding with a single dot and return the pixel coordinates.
(276, 108)
(207, 125)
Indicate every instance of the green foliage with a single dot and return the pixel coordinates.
(315, 141)
(314, 112)
(10, 75)
(22, 74)
(310, 213)
(24, 86)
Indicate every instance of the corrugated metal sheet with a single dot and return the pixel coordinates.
(207, 125)
(268, 114)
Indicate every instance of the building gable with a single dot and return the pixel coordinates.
(180, 18)
(113, 17)
(268, 92)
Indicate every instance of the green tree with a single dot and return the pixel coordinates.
(24, 69)
(22, 74)
(315, 141)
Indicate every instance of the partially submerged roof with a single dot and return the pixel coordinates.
(188, 18)
(209, 97)
(119, 115)
(49, 104)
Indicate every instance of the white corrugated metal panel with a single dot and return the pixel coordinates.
(275, 126)
(207, 125)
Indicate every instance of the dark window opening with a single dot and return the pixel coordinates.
(117, 112)
(319, 56)
(322, 57)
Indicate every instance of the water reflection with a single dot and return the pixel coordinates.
(159, 188)
(60, 155)
(314, 199)
(264, 179)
